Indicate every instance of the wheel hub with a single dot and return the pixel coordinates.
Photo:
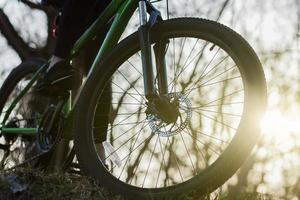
(170, 115)
(164, 108)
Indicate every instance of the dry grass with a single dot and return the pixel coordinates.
(40, 185)
(43, 186)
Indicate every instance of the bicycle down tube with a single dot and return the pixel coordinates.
(121, 11)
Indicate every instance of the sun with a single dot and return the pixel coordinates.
(275, 122)
(280, 127)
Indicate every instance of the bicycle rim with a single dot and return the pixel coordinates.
(145, 151)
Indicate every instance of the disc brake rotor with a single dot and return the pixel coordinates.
(160, 127)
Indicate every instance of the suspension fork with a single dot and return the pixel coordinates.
(161, 70)
(159, 51)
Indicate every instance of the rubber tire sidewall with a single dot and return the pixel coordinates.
(233, 156)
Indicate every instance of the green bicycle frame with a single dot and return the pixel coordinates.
(118, 10)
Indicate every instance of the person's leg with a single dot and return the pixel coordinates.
(76, 17)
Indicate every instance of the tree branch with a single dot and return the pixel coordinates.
(225, 4)
(33, 5)
(13, 38)
(16, 41)
(50, 13)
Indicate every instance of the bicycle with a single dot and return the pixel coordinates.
(184, 97)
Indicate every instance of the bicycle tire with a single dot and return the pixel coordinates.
(239, 147)
(17, 75)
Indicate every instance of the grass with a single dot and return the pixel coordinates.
(43, 186)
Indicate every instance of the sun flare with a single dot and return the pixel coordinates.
(275, 122)
(280, 128)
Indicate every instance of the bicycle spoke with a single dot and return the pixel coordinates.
(130, 153)
(145, 142)
(188, 153)
(227, 70)
(197, 148)
(140, 157)
(115, 125)
(127, 118)
(150, 161)
(199, 54)
(134, 68)
(210, 84)
(108, 114)
(125, 131)
(224, 80)
(178, 62)
(222, 98)
(217, 105)
(220, 140)
(208, 117)
(123, 103)
(132, 86)
(123, 143)
(218, 112)
(128, 94)
(202, 143)
(163, 159)
(208, 64)
(194, 85)
(172, 152)
(214, 67)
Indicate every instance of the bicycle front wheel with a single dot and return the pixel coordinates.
(219, 86)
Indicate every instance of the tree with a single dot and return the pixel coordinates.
(17, 38)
